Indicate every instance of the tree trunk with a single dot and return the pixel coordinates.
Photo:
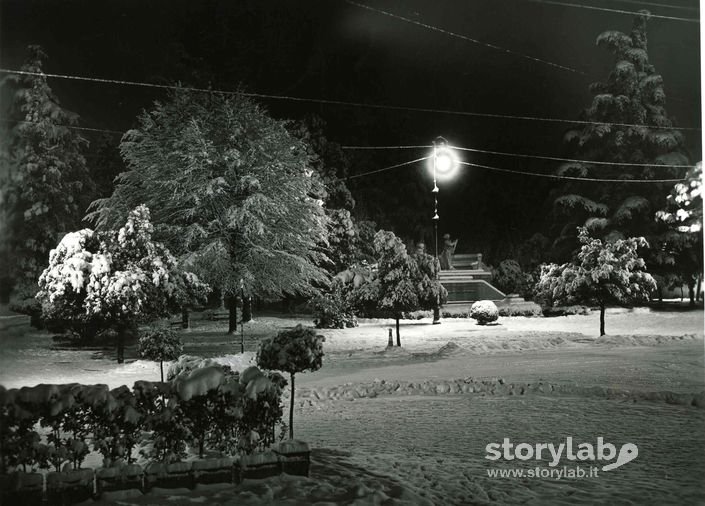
(436, 315)
(242, 338)
(185, 318)
(602, 320)
(691, 291)
(121, 344)
(699, 288)
(232, 316)
(161, 369)
(291, 409)
(125, 331)
(246, 309)
(398, 338)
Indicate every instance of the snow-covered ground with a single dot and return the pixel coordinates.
(395, 426)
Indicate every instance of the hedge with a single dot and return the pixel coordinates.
(210, 408)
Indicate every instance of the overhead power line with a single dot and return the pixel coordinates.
(362, 148)
(465, 37)
(338, 102)
(520, 172)
(386, 168)
(571, 178)
(72, 127)
(572, 160)
(654, 4)
(523, 155)
(618, 11)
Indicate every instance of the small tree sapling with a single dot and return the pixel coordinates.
(604, 273)
(160, 344)
(292, 351)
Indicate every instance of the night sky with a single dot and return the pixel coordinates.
(338, 51)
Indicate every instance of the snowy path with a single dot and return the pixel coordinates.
(676, 366)
(435, 446)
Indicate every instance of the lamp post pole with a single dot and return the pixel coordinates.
(435, 219)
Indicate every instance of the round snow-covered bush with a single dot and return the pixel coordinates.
(160, 344)
(484, 311)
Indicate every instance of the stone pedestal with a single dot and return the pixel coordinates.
(295, 457)
(220, 470)
(22, 488)
(70, 487)
(176, 475)
(259, 465)
(117, 479)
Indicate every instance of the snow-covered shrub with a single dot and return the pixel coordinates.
(528, 309)
(165, 419)
(69, 421)
(114, 279)
(333, 310)
(23, 301)
(510, 278)
(21, 444)
(230, 411)
(206, 408)
(417, 315)
(262, 409)
(116, 423)
(484, 311)
(552, 311)
(293, 351)
(160, 344)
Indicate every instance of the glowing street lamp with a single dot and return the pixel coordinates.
(444, 165)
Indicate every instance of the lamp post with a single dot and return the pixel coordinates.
(443, 164)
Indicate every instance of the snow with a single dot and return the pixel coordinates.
(409, 425)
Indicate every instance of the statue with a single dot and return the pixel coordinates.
(446, 256)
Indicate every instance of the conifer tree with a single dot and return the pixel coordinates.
(629, 124)
(231, 193)
(395, 288)
(681, 245)
(48, 185)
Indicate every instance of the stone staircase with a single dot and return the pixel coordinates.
(469, 280)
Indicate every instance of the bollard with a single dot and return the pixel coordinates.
(391, 342)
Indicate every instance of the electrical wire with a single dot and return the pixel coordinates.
(522, 155)
(618, 11)
(464, 37)
(73, 127)
(571, 178)
(341, 102)
(362, 148)
(385, 168)
(428, 146)
(653, 4)
(574, 160)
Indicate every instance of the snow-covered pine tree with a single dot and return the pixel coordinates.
(396, 278)
(48, 188)
(680, 252)
(629, 124)
(231, 193)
